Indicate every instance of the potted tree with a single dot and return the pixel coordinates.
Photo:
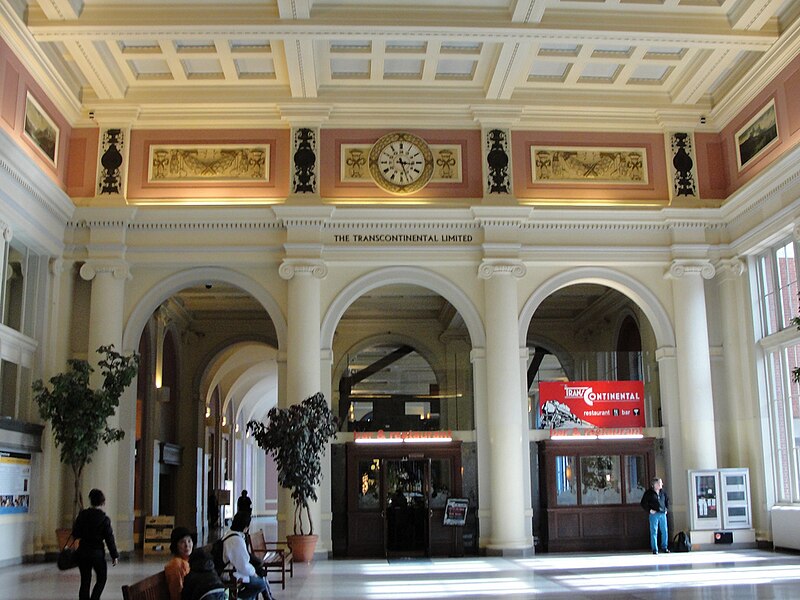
(296, 438)
(79, 414)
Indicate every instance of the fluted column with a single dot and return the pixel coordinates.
(105, 327)
(694, 363)
(505, 418)
(303, 350)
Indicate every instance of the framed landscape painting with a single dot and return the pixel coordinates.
(759, 134)
(41, 129)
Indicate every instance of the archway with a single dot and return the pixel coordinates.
(193, 301)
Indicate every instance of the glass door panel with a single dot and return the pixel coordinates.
(405, 496)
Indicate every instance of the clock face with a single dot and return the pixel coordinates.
(401, 163)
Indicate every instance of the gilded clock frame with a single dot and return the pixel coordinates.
(377, 174)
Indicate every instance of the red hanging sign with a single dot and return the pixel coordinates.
(577, 404)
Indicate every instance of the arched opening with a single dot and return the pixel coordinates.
(401, 367)
(629, 350)
(200, 326)
(592, 368)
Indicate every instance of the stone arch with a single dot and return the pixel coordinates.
(644, 298)
(404, 275)
(178, 281)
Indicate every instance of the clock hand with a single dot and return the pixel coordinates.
(403, 164)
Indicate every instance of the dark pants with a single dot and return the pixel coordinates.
(96, 561)
(253, 588)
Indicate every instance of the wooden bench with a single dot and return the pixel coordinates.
(149, 588)
(276, 557)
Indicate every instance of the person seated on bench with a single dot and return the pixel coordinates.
(180, 544)
(202, 580)
(235, 554)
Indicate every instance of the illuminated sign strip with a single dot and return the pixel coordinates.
(598, 433)
(402, 437)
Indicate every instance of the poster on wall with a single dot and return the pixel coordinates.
(590, 404)
(15, 477)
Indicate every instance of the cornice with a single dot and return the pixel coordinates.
(37, 63)
(769, 65)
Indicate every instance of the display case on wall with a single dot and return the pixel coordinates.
(704, 499)
(736, 512)
(720, 499)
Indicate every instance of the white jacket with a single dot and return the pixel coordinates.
(235, 554)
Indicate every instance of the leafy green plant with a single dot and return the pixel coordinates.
(296, 438)
(79, 414)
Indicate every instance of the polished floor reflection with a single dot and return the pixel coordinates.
(750, 574)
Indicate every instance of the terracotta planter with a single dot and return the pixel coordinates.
(302, 546)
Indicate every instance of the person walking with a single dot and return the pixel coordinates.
(244, 504)
(93, 528)
(656, 502)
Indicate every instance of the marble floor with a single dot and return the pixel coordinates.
(729, 575)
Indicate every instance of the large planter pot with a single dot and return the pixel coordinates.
(302, 546)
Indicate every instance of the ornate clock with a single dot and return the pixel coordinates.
(401, 163)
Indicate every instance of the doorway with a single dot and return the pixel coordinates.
(396, 500)
(406, 486)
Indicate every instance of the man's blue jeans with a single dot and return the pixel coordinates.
(658, 525)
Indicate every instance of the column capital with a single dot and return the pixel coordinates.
(682, 267)
(119, 269)
(6, 229)
(56, 265)
(290, 267)
(796, 231)
(666, 352)
(730, 268)
(490, 268)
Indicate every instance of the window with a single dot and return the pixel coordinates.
(785, 420)
(777, 283)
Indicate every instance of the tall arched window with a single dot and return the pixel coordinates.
(629, 351)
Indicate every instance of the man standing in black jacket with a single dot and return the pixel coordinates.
(656, 502)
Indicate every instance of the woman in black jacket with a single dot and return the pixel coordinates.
(93, 527)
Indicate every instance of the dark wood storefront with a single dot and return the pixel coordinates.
(396, 498)
(591, 492)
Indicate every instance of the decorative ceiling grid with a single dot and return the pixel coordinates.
(681, 55)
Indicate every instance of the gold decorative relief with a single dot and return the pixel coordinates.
(589, 165)
(208, 163)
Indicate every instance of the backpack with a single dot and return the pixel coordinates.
(681, 542)
(216, 554)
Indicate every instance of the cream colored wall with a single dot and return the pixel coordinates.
(166, 255)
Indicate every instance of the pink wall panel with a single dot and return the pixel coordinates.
(654, 191)
(82, 171)
(711, 166)
(792, 93)
(333, 187)
(10, 80)
(276, 188)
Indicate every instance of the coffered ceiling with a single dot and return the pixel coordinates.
(597, 64)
